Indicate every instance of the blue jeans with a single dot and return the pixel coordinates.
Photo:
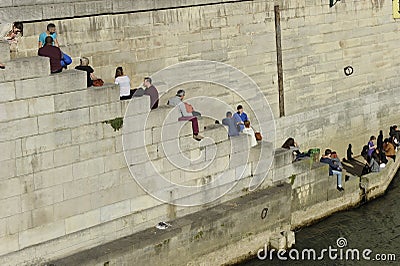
(339, 177)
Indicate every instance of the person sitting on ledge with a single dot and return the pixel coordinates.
(177, 99)
(373, 162)
(291, 144)
(84, 66)
(389, 149)
(186, 116)
(124, 84)
(233, 129)
(11, 33)
(349, 153)
(249, 131)
(152, 92)
(54, 53)
(335, 159)
(242, 115)
(333, 168)
(371, 145)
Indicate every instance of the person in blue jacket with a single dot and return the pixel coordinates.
(334, 169)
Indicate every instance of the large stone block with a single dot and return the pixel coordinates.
(109, 179)
(35, 86)
(96, 149)
(4, 51)
(58, 10)
(114, 194)
(41, 234)
(115, 162)
(9, 244)
(10, 188)
(53, 177)
(10, 206)
(115, 210)
(64, 120)
(26, 68)
(88, 168)
(7, 169)
(45, 142)
(105, 112)
(66, 156)
(18, 128)
(13, 110)
(8, 150)
(82, 221)
(87, 133)
(42, 105)
(42, 216)
(41, 198)
(80, 187)
(8, 91)
(72, 207)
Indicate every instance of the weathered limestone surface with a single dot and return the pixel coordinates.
(194, 235)
(317, 43)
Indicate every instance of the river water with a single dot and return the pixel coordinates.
(374, 226)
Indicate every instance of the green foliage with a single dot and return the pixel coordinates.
(198, 235)
(116, 123)
(292, 178)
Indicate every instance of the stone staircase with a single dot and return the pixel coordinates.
(64, 171)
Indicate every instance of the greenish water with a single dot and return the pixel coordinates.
(374, 226)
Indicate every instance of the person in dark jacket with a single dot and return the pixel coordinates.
(84, 66)
(52, 52)
(334, 169)
(152, 92)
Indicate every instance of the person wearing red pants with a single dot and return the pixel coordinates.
(186, 116)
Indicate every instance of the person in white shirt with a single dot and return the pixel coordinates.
(249, 131)
(124, 84)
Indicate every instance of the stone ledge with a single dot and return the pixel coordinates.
(198, 231)
(28, 10)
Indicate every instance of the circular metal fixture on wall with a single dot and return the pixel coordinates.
(348, 70)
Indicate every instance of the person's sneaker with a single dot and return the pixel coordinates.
(340, 188)
(197, 137)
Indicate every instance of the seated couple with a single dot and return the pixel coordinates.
(187, 111)
(236, 125)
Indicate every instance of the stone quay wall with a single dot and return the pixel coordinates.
(219, 235)
(323, 106)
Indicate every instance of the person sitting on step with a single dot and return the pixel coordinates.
(333, 168)
(230, 122)
(186, 116)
